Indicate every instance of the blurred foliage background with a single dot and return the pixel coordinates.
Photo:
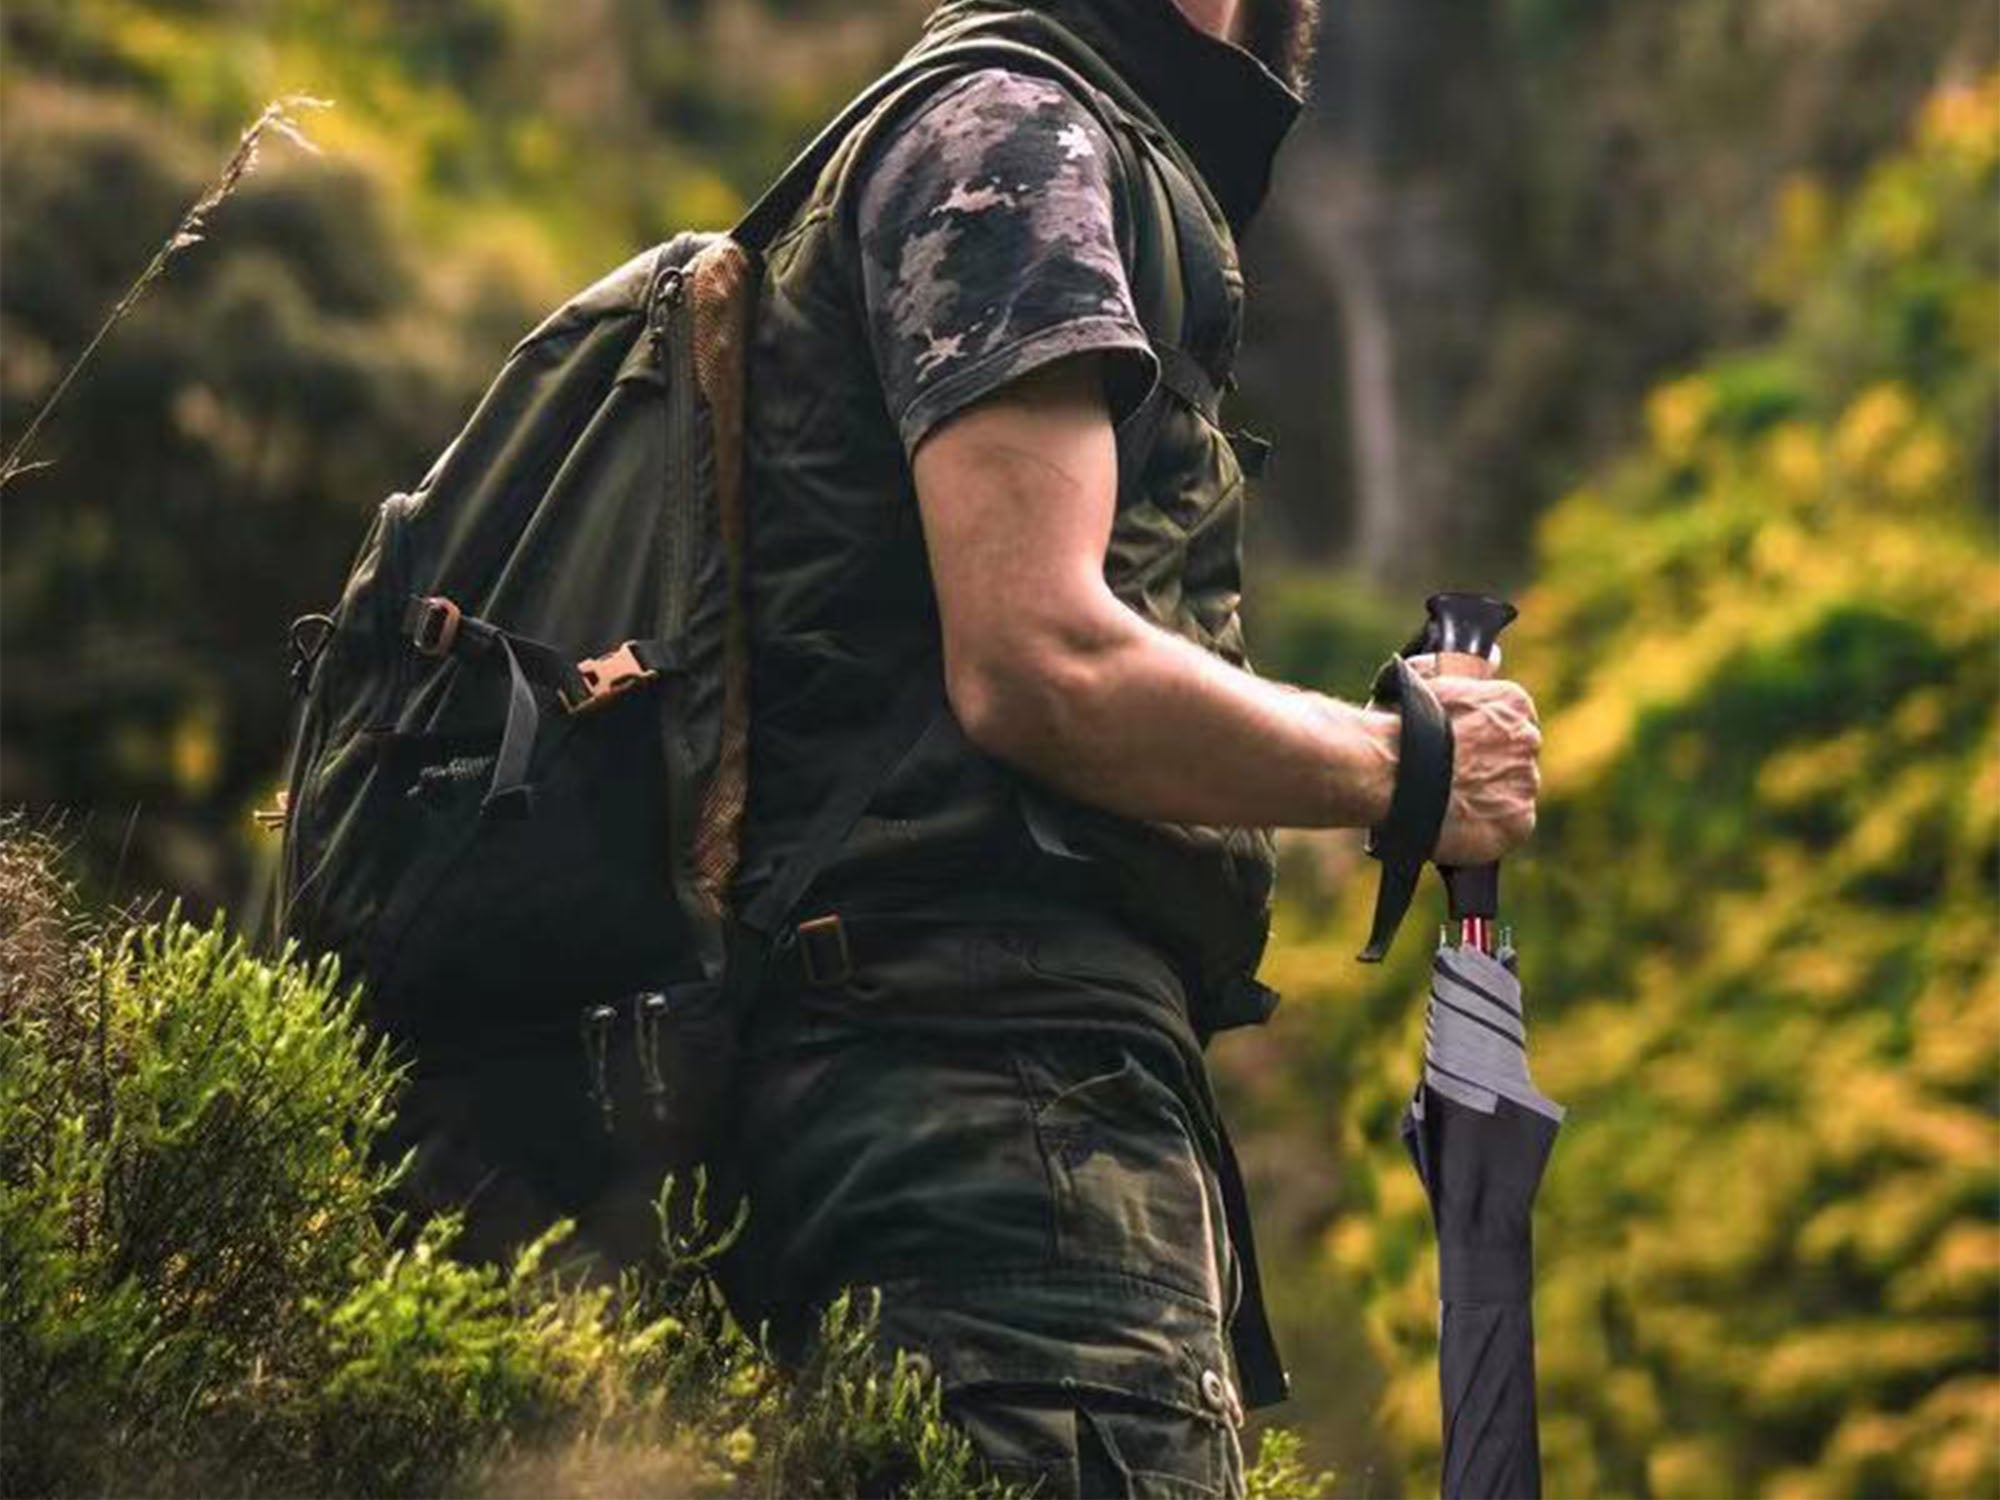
(1679, 319)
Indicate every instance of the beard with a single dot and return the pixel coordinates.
(1283, 35)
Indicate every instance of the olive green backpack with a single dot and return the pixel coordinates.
(519, 778)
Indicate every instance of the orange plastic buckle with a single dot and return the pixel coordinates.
(608, 677)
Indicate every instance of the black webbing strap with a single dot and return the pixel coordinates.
(1259, 1367)
(529, 662)
(916, 709)
(656, 656)
(509, 793)
(468, 638)
(1162, 306)
(1157, 286)
(1186, 377)
(1405, 840)
(1204, 328)
(1166, 299)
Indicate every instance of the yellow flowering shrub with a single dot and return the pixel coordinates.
(1757, 923)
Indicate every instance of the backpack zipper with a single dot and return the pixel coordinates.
(673, 345)
(673, 348)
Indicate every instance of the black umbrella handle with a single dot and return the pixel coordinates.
(1472, 891)
(1462, 637)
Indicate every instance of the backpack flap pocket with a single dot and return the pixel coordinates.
(525, 903)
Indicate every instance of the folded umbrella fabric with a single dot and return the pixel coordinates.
(1479, 1134)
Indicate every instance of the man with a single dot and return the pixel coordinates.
(980, 466)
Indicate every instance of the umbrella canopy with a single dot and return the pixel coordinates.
(1479, 1133)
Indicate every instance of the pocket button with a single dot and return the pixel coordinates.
(1214, 1390)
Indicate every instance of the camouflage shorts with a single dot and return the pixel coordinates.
(997, 1129)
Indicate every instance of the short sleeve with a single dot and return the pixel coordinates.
(988, 227)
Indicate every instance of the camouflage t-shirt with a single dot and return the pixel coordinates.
(990, 232)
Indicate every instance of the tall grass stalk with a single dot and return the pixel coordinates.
(279, 117)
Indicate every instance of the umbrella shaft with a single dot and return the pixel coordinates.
(1476, 932)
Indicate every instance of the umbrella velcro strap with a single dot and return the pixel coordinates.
(1486, 1274)
(1407, 838)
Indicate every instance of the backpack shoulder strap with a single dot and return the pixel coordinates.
(1203, 326)
(909, 721)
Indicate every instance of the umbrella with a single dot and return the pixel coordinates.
(1478, 1132)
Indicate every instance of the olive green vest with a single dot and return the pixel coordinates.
(842, 607)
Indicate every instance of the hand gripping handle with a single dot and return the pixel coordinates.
(1460, 638)
(1463, 636)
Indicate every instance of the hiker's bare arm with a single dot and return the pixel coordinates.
(1049, 671)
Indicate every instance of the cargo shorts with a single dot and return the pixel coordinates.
(1006, 1131)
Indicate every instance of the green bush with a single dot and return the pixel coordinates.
(202, 1291)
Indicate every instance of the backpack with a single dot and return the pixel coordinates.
(517, 787)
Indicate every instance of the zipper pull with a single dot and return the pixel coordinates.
(597, 1022)
(648, 1013)
(667, 295)
(308, 638)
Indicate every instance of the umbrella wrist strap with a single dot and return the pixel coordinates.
(1405, 840)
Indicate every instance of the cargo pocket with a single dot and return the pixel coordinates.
(1024, 1444)
(1100, 1448)
(1088, 1381)
(1146, 1452)
(1130, 1191)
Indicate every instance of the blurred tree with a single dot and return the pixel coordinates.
(1503, 220)
(1406, 170)
(210, 470)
